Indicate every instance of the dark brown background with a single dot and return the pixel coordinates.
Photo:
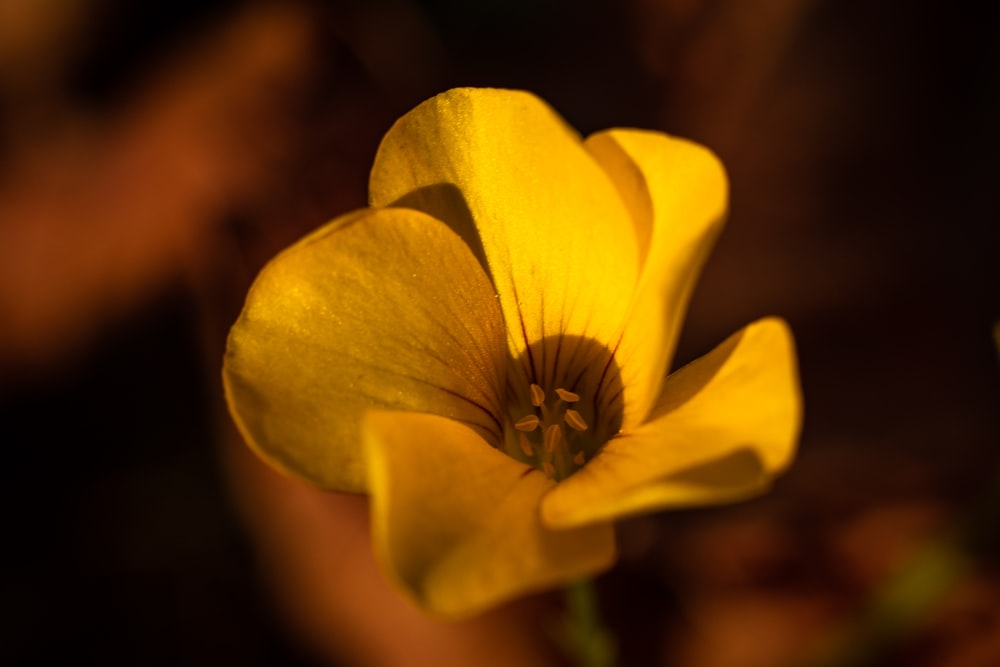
(154, 155)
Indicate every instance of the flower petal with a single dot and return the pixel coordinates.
(456, 522)
(677, 193)
(378, 309)
(507, 173)
(725, 426)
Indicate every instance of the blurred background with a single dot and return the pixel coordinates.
(154, 155)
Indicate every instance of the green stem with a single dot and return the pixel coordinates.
(590, 643)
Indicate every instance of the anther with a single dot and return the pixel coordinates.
(578, 459)
(525, 445)
(548, 469)
(552, 437)
(527, 424)
(568, 396)
(537, 395)
(574, 420)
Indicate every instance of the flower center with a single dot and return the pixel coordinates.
(564, 401)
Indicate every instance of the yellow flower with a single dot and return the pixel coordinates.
(484, 350)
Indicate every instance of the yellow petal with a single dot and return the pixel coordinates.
(456, 522)
(379, 309)
(676, 192)
(724, 427)
(506, 172)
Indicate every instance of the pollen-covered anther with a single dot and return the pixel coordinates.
(552, 437)
(537, 395)
(575, 420)
(527, 424)
(568, 396)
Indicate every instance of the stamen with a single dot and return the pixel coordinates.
(527, 424)
(562, 412)
(575, 420)
(525, 445)
(568, 396)
(553, 436)
(537, 395)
